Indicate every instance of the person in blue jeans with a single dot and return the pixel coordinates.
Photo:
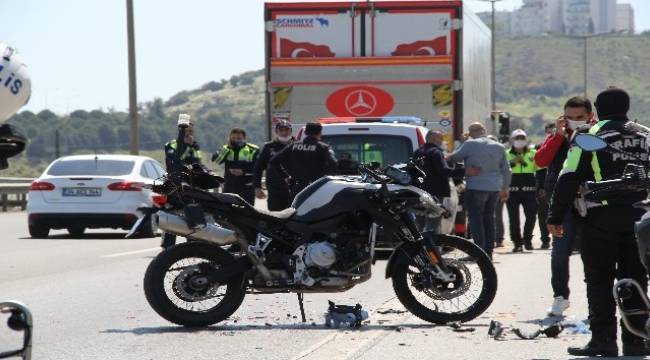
(485, 189)
(578, 113)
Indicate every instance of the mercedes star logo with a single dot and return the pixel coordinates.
(360, 102)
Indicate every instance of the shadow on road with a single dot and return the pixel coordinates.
(88, 236)
(300, 326)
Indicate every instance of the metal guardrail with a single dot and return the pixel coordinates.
(13, 192)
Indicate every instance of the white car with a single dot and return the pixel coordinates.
(92, 191)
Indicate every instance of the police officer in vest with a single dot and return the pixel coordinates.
(238, 158)
(305, 161)
(183, 150)
(277, 188)
(609, 250)
(522, 190)
(178, 152)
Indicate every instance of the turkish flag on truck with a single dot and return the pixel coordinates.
(291, 49)
(437, 46)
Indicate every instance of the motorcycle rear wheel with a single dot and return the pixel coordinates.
(169, 289)
(459, 301)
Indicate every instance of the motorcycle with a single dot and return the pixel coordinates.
(323, 243)
(634, 178)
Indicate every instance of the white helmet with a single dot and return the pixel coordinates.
(15, 83)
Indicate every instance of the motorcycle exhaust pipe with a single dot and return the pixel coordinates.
(174, 224)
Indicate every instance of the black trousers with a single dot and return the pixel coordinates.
(542, 214)
(247, 192)
(279, 198)
(608, 253)
(297, 187)
(527, 200)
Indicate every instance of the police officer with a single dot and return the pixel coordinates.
(277, 188)
(183, 150)
(238, 158)
(609, 250)
(305, 161)
(522, 190)
(431, 158)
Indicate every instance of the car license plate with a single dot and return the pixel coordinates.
(82, 192)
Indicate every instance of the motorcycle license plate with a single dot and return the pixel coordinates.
(82, 192)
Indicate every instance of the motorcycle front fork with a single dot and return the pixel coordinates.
(626, 289)
(431, 254)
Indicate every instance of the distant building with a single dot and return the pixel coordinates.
(625, 18)
(537, 17)
(589, 16)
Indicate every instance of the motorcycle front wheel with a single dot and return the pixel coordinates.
(176, 288)
(461, 300)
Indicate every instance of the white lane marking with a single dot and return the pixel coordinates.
(321, 349)
(130, 252)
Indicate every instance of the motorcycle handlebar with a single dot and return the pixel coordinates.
(618, 184)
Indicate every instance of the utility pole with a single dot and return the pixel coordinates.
(584, 67)
(133, 96)
(57, 152)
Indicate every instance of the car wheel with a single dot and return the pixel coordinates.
(37, 231)
(76, 231)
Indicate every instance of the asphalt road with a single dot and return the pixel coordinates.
(87, 299)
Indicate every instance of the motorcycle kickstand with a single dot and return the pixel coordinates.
(301, 296)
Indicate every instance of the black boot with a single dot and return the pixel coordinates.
(528, 245)
(517, 249)
(596, 348)
(637, 348)
(546, 245)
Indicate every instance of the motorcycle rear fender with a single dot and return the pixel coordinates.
(402, 254)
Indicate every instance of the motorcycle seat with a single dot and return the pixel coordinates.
(282, 215)
(275, 216)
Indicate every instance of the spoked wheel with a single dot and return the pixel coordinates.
(462, 299)
(177, 289)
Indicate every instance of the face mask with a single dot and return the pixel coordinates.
(284, 139)
(238, 143)
(519, 144)
(577, 125)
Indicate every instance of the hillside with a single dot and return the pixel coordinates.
(534, 78)
(536, 75)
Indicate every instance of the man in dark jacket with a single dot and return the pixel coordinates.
(238, 158)
(609, 250)
(277, 188)
(578, 114)
(431, 158)
(305, 161)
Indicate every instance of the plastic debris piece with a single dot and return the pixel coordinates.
(391, 311)
(345, 314)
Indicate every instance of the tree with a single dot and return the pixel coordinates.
(106, 135)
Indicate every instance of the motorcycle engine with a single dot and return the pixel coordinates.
(320, 254)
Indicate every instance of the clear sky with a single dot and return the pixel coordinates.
(76, 49)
